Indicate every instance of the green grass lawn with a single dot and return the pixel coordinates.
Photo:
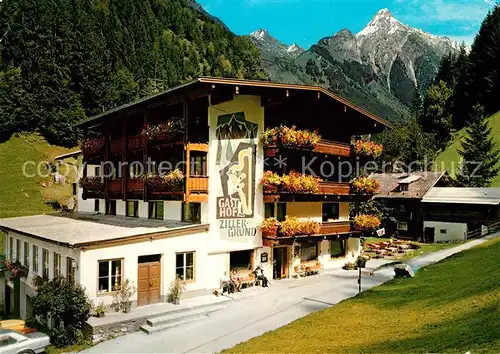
(452, 306)
(21, 195)
(449, 159)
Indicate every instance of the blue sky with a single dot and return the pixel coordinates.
(306, 21)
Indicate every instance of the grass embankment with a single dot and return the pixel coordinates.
(21, 195)
(449, 159)
(451, 306)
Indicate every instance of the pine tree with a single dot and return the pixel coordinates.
(417, 103)
(460, 99)
(484, 75)
(479, 154)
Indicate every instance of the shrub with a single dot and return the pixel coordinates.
(350, 266)
(170, 130)
(93, 145)
(269, 138)
(366, 222)
(93, 183)
(269, 227)
(67, 303)
(177, 287)
(368, 148)
(271, 182)
(100, 310)
(364, 185)
(122, 296)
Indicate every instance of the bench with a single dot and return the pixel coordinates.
(247, 279)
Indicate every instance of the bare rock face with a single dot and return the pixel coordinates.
(378, 68)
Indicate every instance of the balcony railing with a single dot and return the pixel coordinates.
(115, 185)
(115, 146)
(335, 227)
(323, 147)
(135, 185)
(135, 142)
(337, 188)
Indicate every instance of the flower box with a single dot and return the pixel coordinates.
(269, 227)
(173, 129)
(93, 183)
(17, 269)
(364, 185)
(366, 222)
(171, 180)
(291, 138)
(93, 145)
(294, 182)
(368, 148)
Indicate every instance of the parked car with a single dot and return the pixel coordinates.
(12, 342)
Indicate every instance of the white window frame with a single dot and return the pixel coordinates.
(184, 267)
(110, 275)
(35, 260)
(402, 225)
(57, 265)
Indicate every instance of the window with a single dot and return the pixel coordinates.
(18, 250)
(191, 212)
(97, 171)
(133, 208)
(184, 265)
(73, 186)
(96, 205)
(135, 170)
(403, 187)
(443, 231)
(70, 269)
(337, 248)
(110, 275)
(281, 212)
(308, 252)
(269, 210)
(35, 259)
(57, 264)
(45, 262)
(26, 254)
(330, 211)
(198, 164)
(156, 210)
(402, 225)
(402, 208)
(11, 249)
(110, 207)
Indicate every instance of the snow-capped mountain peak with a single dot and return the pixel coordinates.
(294, 48)
(383, 20)
(260, 34)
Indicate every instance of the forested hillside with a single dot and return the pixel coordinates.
(63, 60)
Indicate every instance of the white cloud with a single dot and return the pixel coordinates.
(425, 11)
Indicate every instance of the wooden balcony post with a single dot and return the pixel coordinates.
(185, 113)
(124, 166)
(145, 160)
(84, 174)
(105, 170)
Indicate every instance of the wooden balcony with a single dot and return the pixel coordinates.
(196, 189)
(323, 147)
(93, 194)
(114, 188)
(328, 191)
(135, 142)
(335, 227)
(115, 146)
(336, 188)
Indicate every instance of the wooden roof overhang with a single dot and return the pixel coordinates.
(307, 105)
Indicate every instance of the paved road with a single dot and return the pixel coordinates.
(262, 310)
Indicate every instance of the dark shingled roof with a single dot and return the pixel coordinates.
(422, 182)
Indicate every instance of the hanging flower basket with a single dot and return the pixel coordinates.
(172, 180)
(168, 131)
(368, 148)
(16, 269)
(271, 182)
(93, 145)
(366, 222)
(93, 183)
(364, 185)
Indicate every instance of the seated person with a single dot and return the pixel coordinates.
(235, 279)
(259, 275)
(226, 284)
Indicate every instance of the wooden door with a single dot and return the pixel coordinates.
(149, 283)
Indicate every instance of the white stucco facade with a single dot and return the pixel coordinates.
(447, 231)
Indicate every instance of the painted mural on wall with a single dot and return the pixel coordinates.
(235, 160)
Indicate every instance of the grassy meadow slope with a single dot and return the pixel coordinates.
(450, 307)
(21, 195)
(450, 158)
